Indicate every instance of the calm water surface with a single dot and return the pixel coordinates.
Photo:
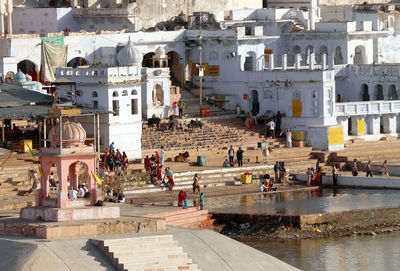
(362, 253)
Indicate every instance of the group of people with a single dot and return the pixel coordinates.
(114, 160)
(82, 192)
(231, 157)
(280, 172)
(154, 166)
(314, 176)
(178, 107)
(368, 169)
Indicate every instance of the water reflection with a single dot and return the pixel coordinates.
(369, 253)
(305, 202)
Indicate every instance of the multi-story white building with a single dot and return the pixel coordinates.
(332, 79)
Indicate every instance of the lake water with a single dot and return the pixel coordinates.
(305, 202)
(361, 253)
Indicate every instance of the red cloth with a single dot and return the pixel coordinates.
(170, 182)
(181, 198)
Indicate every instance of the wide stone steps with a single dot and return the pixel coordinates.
(158, 253)
(187, 218)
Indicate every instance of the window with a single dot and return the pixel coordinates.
(95, 104)
(248, 31)
(134, 92)
(115, 94)
(124, 93)
(94, 94)
(78, 93)
(115, 107)
(134, 106)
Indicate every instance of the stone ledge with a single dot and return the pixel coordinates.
(61, 230)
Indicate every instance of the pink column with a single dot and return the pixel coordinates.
(44, 181)
(62, 171)
(94, 195)
(74, 174)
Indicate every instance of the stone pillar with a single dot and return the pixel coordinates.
(389, 123)
(284, 62)
(311, 60)
(62, 172)
(323, 62)
(344, 121)
(271, 62)
(357, 125)
(374, 124)
(331, 62)
(298, 61)
(2, 29)
(74, 175)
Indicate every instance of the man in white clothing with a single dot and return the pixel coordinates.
(271, 128)
(162, 155)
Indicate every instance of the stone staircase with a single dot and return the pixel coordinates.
(192, 103)
(363, 151)
(14, 173)
(148, 253)
(187, 218)
(209, 178)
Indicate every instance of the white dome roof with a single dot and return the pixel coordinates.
(160, 53)
(129, 56)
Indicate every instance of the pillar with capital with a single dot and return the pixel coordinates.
(374, 124)
(389, 123)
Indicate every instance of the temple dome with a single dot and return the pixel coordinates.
(129, 56)
(72, 132)
(160, 53)
(19, 76)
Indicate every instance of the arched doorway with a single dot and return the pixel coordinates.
(174, 67)
(392, 94)
(255, 103)
(158, 95)
(359, 55)
(26, 66)
(77, 61)
(338, 56)
(364, 93)
(378, 92)
(250, 62)
(323, 50)
(292, 57)
(307, 53)
(147, 61)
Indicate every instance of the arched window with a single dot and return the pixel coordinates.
(338, 56)
(94, 94)
(115, 94)
(124, 93)
(359, 55)
(158, 95)
(364, 92)
(392, 95)
(378, 92)
(134, 92)
(292, 55)
(323, 50)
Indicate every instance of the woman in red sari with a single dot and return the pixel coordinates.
(318, 179)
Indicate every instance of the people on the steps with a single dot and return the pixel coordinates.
(368, 169)
(181, 107)
(385, 171)
(181, 198)
(226, 163)
(239, 156)
(231, 154)
(196, 185)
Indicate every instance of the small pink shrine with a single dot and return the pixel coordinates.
(67, 151)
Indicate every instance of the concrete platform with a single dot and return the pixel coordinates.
(61, 230)
(69, 214)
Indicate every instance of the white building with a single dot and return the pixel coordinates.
(294, 60)
(127, 90)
